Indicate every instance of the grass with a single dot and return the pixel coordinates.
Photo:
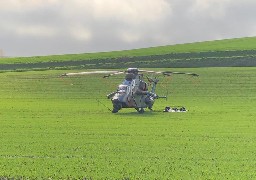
(53, 127)
(247, 43)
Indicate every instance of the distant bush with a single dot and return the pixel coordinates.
(180, 60)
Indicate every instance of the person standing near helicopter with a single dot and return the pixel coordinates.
(146, 95)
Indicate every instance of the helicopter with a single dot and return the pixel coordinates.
(133, 92)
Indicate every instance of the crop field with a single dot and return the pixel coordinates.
(60, 127)
(240, 58)
(237, 44)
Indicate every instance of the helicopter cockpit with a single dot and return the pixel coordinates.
(122, 88)
(128, 79)
(123, 92)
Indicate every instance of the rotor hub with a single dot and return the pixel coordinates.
(133, 70)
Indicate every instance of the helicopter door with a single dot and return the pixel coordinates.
(138, 99)
(134, 86)
(123, 92)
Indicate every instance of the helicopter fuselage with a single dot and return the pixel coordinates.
(132, 93)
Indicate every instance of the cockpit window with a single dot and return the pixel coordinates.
(122, 88)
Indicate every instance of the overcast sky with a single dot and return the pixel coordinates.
(44, 27)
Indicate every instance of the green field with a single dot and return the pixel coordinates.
(247, 43)
(54, 127)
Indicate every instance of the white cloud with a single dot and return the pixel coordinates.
(36, 31)
(129, 37)
(213, 8)
(80, 33)
(132, 11)
(210, 4)
(126, 11)
(119, 24)
(23, 5)
(124, 20)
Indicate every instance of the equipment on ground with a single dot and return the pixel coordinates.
(175, 109)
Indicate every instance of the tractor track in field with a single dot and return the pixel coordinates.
(237, 58)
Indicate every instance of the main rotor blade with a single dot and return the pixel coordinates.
(115, 73)
(169, 73)
(146, 71)
(88, 72)
(111, 73)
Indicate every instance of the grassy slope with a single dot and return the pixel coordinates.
(54, 127)
(219, 45)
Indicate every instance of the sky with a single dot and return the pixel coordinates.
(46, 27)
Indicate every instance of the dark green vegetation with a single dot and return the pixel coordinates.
(232, 52)
(53, 127)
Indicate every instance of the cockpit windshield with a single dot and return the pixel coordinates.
(122, 88)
